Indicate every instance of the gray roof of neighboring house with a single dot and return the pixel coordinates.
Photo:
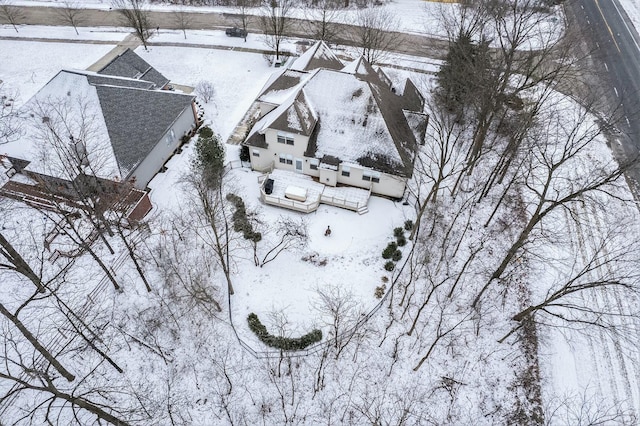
(137, 119)
(130, 65)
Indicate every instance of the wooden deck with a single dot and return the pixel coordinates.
(346, 197)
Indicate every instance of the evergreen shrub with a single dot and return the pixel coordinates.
(279, 342)
(389, 250)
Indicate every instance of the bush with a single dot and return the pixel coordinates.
(389, 266)
(388, 252)
(284, 343)
(205, 132)
(398, 232)
(379, 292)
(397, 255)
(240, 220)
(401, 241)
(408, 225)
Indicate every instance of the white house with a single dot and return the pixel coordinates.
(342, 125)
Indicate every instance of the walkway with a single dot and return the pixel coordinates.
(129, 42)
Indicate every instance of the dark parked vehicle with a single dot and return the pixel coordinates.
(236, 32)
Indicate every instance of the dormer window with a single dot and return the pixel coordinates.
(285, 139)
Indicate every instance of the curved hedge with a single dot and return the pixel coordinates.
(284, 343)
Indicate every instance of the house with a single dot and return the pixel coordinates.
(342, 125)
(104, 128)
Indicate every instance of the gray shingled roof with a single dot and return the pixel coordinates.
(130, 65)
(137, 119)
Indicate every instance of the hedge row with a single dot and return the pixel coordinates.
(240, 220)
(284, 343)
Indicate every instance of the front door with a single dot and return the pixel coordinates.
(299, 165)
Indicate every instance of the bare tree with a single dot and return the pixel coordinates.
(136, 15)
(205, 90)
(341, 313)
(182, 19)
(10, 127)
(275, 22)
(11, 14)
(321, 20)
(556, 180)
(71, 13)
(291, 233)
(244, 18)
(374, 33)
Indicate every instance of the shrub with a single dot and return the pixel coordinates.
(401, 241)
(388, 251)
(380, 291)
(397, 255)
(389, 266)
(240, 220)
(205, 132)
(398, 232)
(408, 225)
(385, 279)
(284, 343)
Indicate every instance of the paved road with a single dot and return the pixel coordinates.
(616, 52)
(410, 44)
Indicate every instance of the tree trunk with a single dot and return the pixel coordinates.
(32, 339)
(19, 264)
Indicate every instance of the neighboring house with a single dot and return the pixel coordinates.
(110, 128)
(342, 125)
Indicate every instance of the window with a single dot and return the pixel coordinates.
(286, 139)
(313, 164)
(255, 153)
(346, 171)
(371, 176)
(286, 159)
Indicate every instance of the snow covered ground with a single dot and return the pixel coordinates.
(576, 367)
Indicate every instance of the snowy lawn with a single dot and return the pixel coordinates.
(350, 259)
(236, 76)
(26, 66)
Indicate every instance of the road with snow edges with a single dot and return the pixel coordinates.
(409, 44)
(616, 47)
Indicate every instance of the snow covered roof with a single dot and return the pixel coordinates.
(281, 85)
(350, 115)
(317, 56)
(128, 64)
(113, 123)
